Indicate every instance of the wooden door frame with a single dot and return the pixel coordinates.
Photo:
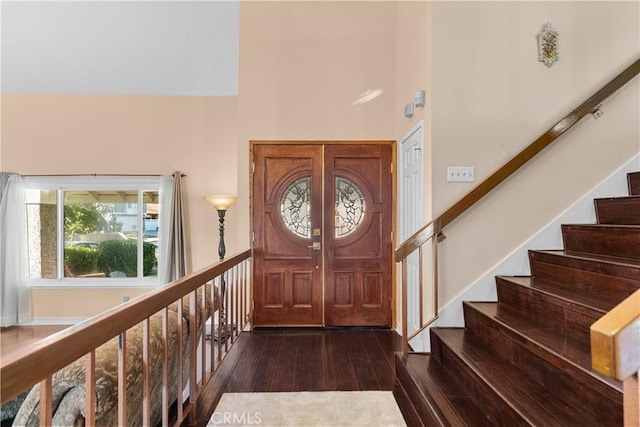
(394, 199)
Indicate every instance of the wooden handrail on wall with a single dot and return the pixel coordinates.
(482, 189)
(37, 363)
(435, 227)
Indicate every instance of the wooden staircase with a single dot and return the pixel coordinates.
(526, 359)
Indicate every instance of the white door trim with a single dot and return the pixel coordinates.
(411, 211)
(415, 217)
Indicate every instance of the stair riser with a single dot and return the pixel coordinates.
(407, 404)
(607, 288)
(618, 211)
(496, 410)
(611, 241)
(634, 183)
(547, 369)
(604, 411)
(421, 407)
(625, 271)
(436, 350)
(436, 399)
(548, 311)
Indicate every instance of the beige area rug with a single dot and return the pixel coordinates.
(324, 408)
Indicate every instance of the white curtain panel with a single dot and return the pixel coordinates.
(173, 261)
(14, 293)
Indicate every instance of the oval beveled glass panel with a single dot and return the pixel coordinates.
(295, 207)
(350, 207)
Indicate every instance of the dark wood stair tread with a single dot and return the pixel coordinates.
(534, 403)
(618, 210)
(451, 404)
(526, 359)
(559, 343)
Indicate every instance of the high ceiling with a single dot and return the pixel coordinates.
(120, 47)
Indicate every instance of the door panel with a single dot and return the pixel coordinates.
(287, 273)
(358, 263)
(346, 211)
(366, 245)
(273, 290)
(277, 245)
(372, 292)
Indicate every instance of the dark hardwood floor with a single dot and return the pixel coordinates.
(281, 360)
(284, 360)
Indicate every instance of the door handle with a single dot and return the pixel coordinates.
(315, 246)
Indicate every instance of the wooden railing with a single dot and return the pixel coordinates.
(198, 292)
(615, 352)
(418, 240)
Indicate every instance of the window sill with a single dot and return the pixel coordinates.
(94, 283)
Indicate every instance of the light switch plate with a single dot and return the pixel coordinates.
(461, 173)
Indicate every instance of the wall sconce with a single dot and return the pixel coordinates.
(419, 99)
(408, 109)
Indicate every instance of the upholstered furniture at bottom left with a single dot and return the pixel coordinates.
(68, 390)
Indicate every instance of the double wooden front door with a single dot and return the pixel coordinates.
(322, 218)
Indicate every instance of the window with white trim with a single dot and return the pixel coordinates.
(92, 230)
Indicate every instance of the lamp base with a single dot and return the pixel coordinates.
(227, 331)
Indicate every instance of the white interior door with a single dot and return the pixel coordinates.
(412, 211)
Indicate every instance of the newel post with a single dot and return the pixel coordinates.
(631, 400)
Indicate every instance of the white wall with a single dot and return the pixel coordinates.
(550, 237)
(120, 48)
(491, 97)
(413, 38)
(66, 134)
(302, 65)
